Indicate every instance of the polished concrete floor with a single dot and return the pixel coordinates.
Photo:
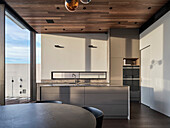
(141, 117)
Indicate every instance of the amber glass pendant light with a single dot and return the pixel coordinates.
(71, 5)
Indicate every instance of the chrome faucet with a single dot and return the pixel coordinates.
(74, 75)
(76, 80)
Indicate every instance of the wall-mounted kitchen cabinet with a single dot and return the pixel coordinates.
(125, 43)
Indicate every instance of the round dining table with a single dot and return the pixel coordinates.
(45, 115)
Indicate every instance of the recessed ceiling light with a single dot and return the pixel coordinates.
(110, 8)
(58, 8)
(84, 8)
(149, 7)
(50, 21)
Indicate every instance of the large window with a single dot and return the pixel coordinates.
(17, 60)
(38, 57)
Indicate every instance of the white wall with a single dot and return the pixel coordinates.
(158, 37)
(76, 55)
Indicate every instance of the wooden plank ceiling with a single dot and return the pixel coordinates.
(98, 16)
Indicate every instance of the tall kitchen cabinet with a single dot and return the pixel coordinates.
(124, 44)
(131, 77)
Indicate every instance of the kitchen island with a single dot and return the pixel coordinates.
(114, 101)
